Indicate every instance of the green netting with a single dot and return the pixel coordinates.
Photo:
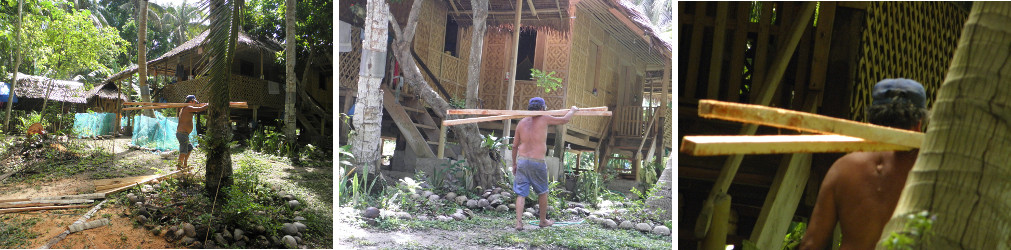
(158, 133)
(92, 124)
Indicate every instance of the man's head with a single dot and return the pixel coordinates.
(898, 103)
(536, 103)
(191, 99)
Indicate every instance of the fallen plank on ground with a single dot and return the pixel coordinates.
(505, 117)
(105, 184)
(790, 119)
(115, 190)
(58, 202)
(8, 205)
(91, 196)
(780, 144)
(24, 209)
(84, 218)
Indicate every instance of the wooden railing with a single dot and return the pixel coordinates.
(632, 120)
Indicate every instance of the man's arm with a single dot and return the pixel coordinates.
(824, 216)
(516, 148)
(562, 120)
(202, 107)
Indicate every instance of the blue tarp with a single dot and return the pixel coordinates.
(158, 133)
(5, 92)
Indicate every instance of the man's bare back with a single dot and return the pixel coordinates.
(532, 133)
(186, 117)
(862, 190)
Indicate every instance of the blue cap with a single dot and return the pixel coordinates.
(536, 100)
(190, 98)
(893, 89)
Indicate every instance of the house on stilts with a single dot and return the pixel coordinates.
(605, 52)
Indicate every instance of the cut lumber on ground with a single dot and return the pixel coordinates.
(92, 196)
(106, 184)
(57, 202)
(780, 144)
(8, 205)
(523, 112)
(83, 218)
(505, 117)
(790, 119)
(23, 209)
(115, 190)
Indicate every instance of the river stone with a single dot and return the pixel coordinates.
(141, 219)
(220, 239)
(260, 229)
(528, 215)
(443, 218)
(433, 198)
(301, 227)
(450, 196)
(461, 200)
(459, 216)
(512, 206)
(494, 197)
(188, 240)
(281, 193)
(661, 230)
(644, 227)
(299, 218)
(189, 230)
(289, 229)
(293, 204)
(531, 210)
(209, 244)
(371, 212)
(427, 194)
(146, 188)
(610, 223)
(238, 234)
(298, 240)
(626, 225)
(228, 235)
(400, 215)
(486, 194)
(197, 245)
(289, 242)
(423, 217)
(502, 208)
(483, 203)
(471, 203)
(415, 196)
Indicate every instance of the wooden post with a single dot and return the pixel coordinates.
(512, 78)
(442, 142)
(716, 238)
(765, 94)
(781, 202)
(719, 36)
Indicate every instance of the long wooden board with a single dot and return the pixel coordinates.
(780, 144)
(105, 184)
(23, 209)
(504, 117)
(179, 106)
(522, 112)
(172, 103)
(115, 190)
(790, 119)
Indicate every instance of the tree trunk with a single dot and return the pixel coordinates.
(661, 201)
(145, 93)
(369, 106)
(17, 65)
(219, 130)
(963, 167)
(488, 172)
(476, 48)
(289, 89)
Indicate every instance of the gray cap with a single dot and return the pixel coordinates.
(894, 89)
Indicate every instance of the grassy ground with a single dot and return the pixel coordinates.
(14, 232)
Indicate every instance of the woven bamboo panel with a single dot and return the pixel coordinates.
(914, 40)
(349, 62)
(241, 89)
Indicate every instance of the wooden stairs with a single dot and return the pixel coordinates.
(415, 122)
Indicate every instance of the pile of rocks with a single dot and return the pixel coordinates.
(609, 221)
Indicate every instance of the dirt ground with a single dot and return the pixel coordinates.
(121, 233)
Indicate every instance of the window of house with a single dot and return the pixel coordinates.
(452, 30)
(525, 55)
(247, 68)
(322, 80)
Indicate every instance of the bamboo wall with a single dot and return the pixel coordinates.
(914, 40)
(551, 55)
(349, 62)
(429, 41)
(242, 89)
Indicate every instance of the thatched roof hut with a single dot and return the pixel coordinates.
(32, 92)
(104, 98)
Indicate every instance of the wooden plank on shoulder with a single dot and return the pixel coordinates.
(790, 119)
(780, 144)
(524, 112)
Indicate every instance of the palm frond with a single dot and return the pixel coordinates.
(220, 47)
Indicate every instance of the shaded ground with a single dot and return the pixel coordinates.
(311, 185)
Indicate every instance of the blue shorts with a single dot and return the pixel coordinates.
(530, 173)
(184, 143)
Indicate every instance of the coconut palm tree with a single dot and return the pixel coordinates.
(220, 47)
(182, 21)
(289, 79)
(659, 13)
(962, 170)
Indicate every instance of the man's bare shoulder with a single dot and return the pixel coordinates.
(853, 161)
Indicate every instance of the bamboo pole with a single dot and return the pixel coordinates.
(716, 238)
(442, 142)
(506, 130)
(524, 112)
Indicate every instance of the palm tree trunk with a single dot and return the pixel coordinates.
(963, 167)
(369, 106)
(476, 47)
(221, 43)
(661, 201)
(488, 172)
(145, 94)
(17, 65)
(289, 51)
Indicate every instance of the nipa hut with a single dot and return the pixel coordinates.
(34, 91)
(104, 98)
